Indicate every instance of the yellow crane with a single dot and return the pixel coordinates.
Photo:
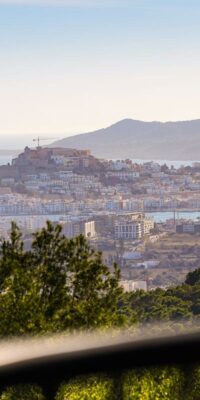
(39, 139)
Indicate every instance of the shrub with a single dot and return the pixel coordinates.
(23, 392)
(88, 388)
(193, 384)
(153, 384)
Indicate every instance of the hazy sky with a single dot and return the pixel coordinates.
(70, 66)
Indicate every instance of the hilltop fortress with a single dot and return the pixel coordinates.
(41, 159)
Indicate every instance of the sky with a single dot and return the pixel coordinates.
(72, 66)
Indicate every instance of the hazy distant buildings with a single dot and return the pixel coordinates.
(188, 227)
(123, 175)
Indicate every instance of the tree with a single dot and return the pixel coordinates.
(50, 256)
(165, 168)
(94, 290)
(58, 284)
(19, 301)
(76, 288)
(193, 277)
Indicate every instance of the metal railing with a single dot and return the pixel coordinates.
(49, 362)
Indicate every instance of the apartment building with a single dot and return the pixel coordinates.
(133, 227)
(126, 230)
(147, 224)
(76, 228)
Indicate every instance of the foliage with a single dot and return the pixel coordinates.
(178, 303)
(193, 277)
(26, 392)
(91, 388)
(58, 284)
(193, 384)
(163, 383)
(159, 305)
(18, 290)
(63, 284)
(158, 383)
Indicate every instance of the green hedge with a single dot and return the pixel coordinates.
(91, 388)
(155, 384)
(26, 392)
(167, 383)
(193, 384)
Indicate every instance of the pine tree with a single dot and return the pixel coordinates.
(59, 284)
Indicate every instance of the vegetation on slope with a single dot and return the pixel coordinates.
(63, 284)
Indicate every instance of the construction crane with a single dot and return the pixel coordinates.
(39, 139)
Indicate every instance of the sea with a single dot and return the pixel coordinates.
(163, 216)
(4, 160)
(176, 164)
(37, 220)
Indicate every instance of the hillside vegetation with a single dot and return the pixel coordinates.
(63, 284)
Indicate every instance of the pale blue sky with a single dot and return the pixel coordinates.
(81, 65)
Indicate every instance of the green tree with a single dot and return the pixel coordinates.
(193, 277)
(19, 301)
(50, 256)
(58, 284)
(95, 291)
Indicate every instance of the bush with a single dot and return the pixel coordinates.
(193, 384)
(153, 384)
(21, 392)
(90, 388)
(193, 277)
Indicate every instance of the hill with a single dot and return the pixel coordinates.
(9, 152)
(141, 140)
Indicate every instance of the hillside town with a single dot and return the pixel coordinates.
(116, 204)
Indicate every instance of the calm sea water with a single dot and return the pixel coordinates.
(157, 216)
(165, 215)
(4, 160)
(177, 164)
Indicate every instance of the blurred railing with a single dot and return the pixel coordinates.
(50, 368)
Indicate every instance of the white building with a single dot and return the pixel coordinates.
(123, 175)
(87, 229)
(125, 230)
(147, 224)
(76, 228)
(133, 227)
(132, 286)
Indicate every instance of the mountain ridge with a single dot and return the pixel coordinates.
(171, 140)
